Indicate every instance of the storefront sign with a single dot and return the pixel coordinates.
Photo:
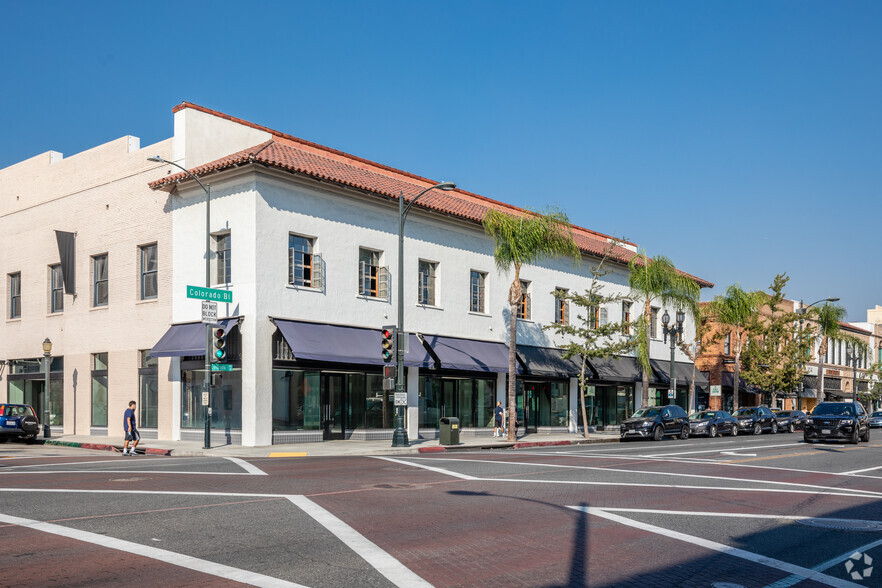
(716, 390)
(589, 391)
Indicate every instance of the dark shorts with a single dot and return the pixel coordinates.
(133, 436)
(498, 424)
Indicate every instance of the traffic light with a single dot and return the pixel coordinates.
(219, 345)
(388, 343)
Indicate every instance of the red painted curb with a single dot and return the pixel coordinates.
(431, 449)
(157, 451)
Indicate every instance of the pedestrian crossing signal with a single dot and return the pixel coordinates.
(219, 345)
(388, 343)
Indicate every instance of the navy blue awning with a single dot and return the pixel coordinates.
(186, 339)
(341, 344)
(616, 369)
(469, 354)
(548, 361)
(682, 371)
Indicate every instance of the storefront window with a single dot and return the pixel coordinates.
(296, 400)
(468, 399)
(225, 400)
(429, 399)
(614, 404)
(148, 391)
(27, 382)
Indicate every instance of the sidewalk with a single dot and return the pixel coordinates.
(329, 448)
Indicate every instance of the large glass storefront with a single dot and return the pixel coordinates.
(333, 401)
(469, 399)
(225, 398)
(608, 405)
(543, 404)
(27, 383)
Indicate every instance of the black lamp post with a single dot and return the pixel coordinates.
(673, 332)
(47, 360)
(801, 312)
(208, 346)
(851, 355)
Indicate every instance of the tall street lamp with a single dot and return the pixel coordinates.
(399, 437)
(208, 346)
(673, 331)
(47, 359)
(852, 356)
(801, 311)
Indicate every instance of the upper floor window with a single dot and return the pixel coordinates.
(304, 265)
(56, 289)
(373, 279)
(15, 295)
(223, 259)
(477, 291)
(149, 272)
(626, 317)
(727, 344)
(653, 323)
(597, 317)
(99, 280)
(426, 286)
(524, 304)
(561, 307)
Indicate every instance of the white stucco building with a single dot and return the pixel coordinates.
(304, 237)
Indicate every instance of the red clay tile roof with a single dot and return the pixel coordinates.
(322, 163)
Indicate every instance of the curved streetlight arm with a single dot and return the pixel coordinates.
(180, 167)
(804, 309)
(442, 186)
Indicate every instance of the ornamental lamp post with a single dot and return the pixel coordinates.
(47, 359)
(673, 331)
(399, 437)
(801, 311)
(208, 346)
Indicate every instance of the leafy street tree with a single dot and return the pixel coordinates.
(734, 311)
(873, 377)
(521, 240)
(776, 356)
(589, 336)
(656, 279)
(827, 318)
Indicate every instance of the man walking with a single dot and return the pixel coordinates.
(498, 417)
(131, 429)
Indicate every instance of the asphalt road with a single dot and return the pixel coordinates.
(745, 511)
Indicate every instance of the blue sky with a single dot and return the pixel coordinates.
(740, 139)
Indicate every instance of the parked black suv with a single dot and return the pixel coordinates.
(790, 420)
(839, 421)
(656, 422)
(756, 419)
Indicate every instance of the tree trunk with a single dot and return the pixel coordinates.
(735, 379)
(514, 298)
(647, 317)
(822, 351)
(582, 398)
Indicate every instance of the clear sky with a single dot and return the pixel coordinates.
(740, 139)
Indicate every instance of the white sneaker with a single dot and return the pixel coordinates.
(133, 452)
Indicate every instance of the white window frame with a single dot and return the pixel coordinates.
(478, 292)
(97, 280)
(56, 289)
(427, 282)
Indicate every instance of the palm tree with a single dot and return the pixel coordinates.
(522, 240)
(736, 309)
(827, 316)
(657, 279)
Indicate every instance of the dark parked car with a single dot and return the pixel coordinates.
(18, 420)
(713, 423)
(656, 422)
(756, 419)
(876, 420)
(838, 421)
(791, 420)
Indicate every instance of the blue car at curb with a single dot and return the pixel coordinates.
(18, 420)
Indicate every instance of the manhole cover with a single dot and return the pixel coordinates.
(842, 524)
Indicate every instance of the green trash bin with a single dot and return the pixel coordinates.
(449, 431)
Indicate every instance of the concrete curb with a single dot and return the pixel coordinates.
(106, 447)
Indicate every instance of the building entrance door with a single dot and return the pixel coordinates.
(448, 398)
(333, 407)
(531, 406)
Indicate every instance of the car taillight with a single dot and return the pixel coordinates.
(2, 408)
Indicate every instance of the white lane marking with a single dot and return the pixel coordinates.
(643, 472)
(117, 461)
(738, 454)
(134, 472)
(721, 548)
(136, 549)
(248, 467)
(148, 492)
(853, 472)
(391, 568)
(738, 515)
(754, 447)
(791, 580)
(426, 467)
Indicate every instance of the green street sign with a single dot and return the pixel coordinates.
(221, 367)
(202, 293)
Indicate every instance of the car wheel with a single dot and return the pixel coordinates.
(855, 437)
(734, 432)
(757, 429)
(658, 433)
(866, 437)
(3, 438)
(774, 428)
(807, 439)
(684, 432)
(31, 439)
(791, 428)
(712, 431)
